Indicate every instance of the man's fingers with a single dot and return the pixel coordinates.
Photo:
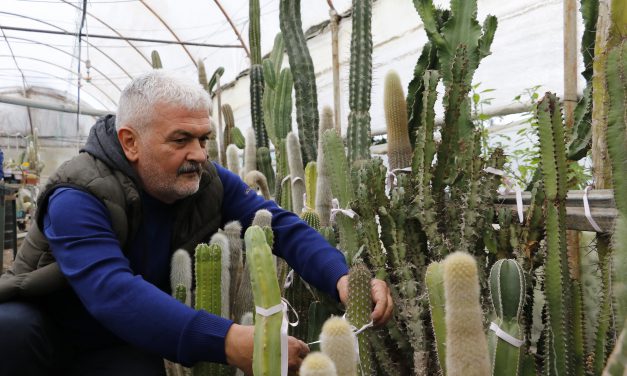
(297, 352)
(383, 302)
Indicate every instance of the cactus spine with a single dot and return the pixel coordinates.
(360, 82)
(399, 148)
(358, 312)
(267, 342)
(317, 364)
(297, 174)
(337, 341)
(507, 290)
(304, 77)
(323, 185)
(466, 346)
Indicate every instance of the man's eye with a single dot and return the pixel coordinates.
(180, 141)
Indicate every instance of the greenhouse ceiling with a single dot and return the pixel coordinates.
(40, 46)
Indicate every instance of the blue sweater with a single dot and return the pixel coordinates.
(126, 298)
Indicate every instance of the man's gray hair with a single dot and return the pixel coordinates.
(141, 98)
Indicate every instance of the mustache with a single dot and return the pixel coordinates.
(189, 167)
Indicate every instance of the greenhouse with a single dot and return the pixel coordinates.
(287, 187)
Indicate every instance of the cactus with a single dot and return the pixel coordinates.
(558, 284)
(336, 164)
(312, 219)
(256, 108)
(434, 280)
(257, 180)
(304, 77)
(317, 364)
(323, 187)
(254, 32)
(250, 151)
(264, 165)
(156, 60)
(237, 138)
(229, 123)
(399, 147)
(214, 79)
(360, 82)
(507, 290)
(266, 292)
(181, 274)
(300, 296)
(358, 311)
(225, 278)
(208, 294)
(297, 174)
(232, 159)
(212, 145)
(311, 175)
(337, 341)
(233, 232)
(617, 362)
(202, 74)
(317, 315)
(466, 346)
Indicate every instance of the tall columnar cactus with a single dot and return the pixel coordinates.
(266, 292)
(256, 108)
(202, 74)
(399, 148)
(233, 232)
(317, 364)
(466, 346)
(297, 173)
(507, 290)
(229, 123)
(156, 60)
(232, 159)
(254, 31)
(337, 341)
(311, 177)
(434, 280)
(250, 151)
(208, 294)
(304, 77)
(225, 278)
(212, 146)
(336, 164)
(323, 185)
(358, 311)
(237, 138)
(264, 165)
(360, 82)
(181, 273)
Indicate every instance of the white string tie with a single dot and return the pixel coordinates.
(505, 336)
(586, 209)
(390, 179)
(297, 179)
(267, 312)
(494, 171)
(287, 178)
(335, 208)
(289, 279)
(355, 332)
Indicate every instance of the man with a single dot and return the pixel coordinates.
(107, 223)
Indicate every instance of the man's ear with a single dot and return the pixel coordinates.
(129, 141)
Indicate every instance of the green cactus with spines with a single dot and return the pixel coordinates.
(337, 341)
(317, 364)
(312, 219)
(323, 187)
(272, 72)
(358, 310)
(300, 296)
(266, 292)
(297, 173)
(283, 191)
(558, 284)
(212, 147)
(233, 232)
(237, 138)
(264, 165)
(256, 108)
(507, 290)
(180, 293)
(317, 314)
(466, 345)
(399, 147)
(202, 74)
(254, 31)
(328, 233)
(156, 60)
(302, 69)
(311, 177)
(434, 281)
(222, 241)
(208, 265)
(181, 274)
(229, 123)
(214, 79)
(360, 82)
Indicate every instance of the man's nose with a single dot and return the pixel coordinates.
(198, 152)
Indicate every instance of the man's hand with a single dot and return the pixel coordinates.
(239, 344)
(381, 298)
